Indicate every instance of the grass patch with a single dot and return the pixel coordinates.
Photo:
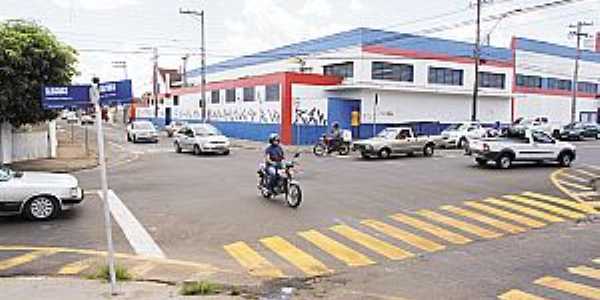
(103, 274)
(199, 288)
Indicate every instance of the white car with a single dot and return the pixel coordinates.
(459, 135)
(533, 146)
(87, 119)
(142, 131)
(201, 138)
(37, 196)
(537, 124)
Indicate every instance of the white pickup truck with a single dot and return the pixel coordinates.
(533, 146)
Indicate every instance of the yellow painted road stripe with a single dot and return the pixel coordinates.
(76, 267)
(388, 250)
(510, 228)
(586, 173)
(519, 295)
(577, 289)
(575, 185)
(507, 215)
(142, 269)
(251, 260)
(23, 259)
(586, 272)
(551, 208)
(302, 260)
(440, 232)
(407, 237)
(464, 226)
(525, 210)
(573, 177)
(336, 249)
(584, 207)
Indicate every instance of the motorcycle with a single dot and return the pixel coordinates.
(326, 145)
(285, 185)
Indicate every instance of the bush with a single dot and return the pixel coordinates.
(199, 288)
(104, 274)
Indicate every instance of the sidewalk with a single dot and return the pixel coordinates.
(35, 288)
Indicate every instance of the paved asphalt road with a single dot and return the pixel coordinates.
(195, 207)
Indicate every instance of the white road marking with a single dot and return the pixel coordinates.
(139, 239)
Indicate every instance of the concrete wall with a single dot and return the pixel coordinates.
(27, 142)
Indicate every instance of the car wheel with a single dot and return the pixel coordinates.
(42, 208)
(385, 153)
(565, 160)
(428, 151)
(134, 139)
(226, 152)
(365, 155)
(177, 148)
(461, 143)
(481, 162)
(197, 150)
(128, 138)
(504, 161)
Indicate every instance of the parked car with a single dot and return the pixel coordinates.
(37, 196)
(572, 131)
(201, 138)
(139, 131)
(591, 130)
(174, 127)
(533, 146)
(395, 140)
(458, 135)
(520, 125)
(87, 119)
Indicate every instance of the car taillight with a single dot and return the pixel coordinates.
(486, 147)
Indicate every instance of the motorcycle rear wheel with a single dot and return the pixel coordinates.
(294, 196)
(344, 149)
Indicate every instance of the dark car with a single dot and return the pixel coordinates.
(591, 130)
(573, 131)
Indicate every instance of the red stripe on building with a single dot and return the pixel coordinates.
(547, 92)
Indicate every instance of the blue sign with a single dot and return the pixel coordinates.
(77, 96)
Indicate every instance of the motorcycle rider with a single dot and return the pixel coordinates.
(335, 136)
(274, 157)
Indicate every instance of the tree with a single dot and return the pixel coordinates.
(30, 57)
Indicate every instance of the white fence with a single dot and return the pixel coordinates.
(27, 142)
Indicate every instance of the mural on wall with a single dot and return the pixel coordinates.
(310, 112)
(245, 115)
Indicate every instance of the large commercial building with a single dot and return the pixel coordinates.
(383, 79)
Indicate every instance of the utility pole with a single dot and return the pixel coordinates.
(155, 80)
(477, 53)
(578, 35)
(184, 70)
(202, 57)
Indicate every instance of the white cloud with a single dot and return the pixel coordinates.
(356, 5)
(95, 4)
(317, 8)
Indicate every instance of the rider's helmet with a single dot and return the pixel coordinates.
(273, 137)
(336, 125)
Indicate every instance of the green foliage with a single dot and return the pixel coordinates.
(30, 57)
(103, 273)
(199, 288)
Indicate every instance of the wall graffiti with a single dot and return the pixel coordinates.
(312, 116)
(245, 115)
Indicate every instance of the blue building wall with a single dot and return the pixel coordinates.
(246, 130)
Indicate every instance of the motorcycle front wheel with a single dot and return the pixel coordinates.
(294, 196)
(344, 149)
(319, 149)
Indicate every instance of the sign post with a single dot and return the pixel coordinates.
(95, 97)
(375, 114)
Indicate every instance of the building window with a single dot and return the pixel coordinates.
(529, 81)
(230, 96)
(492, 80)
(175, 100)
(445, 76)
(559, 84)
(249, 94)
(393, 72)
(272, 93)
(587, 87)
(215, 97)
(344, 70)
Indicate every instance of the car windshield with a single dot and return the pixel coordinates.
(144, 126)
(205, 130)
(388, 134)
(457, 127)
(5, 173)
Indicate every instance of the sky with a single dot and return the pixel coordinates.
(104, 31)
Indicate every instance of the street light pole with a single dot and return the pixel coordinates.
(578, 34)
(202, 57)
(155, 80)
(477, 61)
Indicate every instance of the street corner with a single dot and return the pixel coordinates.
(580, 182)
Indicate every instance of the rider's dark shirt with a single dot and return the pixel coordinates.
(275, 153)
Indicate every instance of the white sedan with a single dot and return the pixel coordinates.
(139, 131)
(37, 196)
(201, 138)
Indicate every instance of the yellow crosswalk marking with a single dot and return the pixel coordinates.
(519, 295)
(464, 226)
(586, 173)
(336, 249)
(577, 289)
(505, 214)
(584, 207)
(586, 272)
(251, 260)
(404, 236)
(551, 208)
(388, 250)
(575, 185)
(510, 228)
(23, 259)
(302, 260)
(440, 232)
(573, 177)
(142, 269)
(525, 210)
(76, 267)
